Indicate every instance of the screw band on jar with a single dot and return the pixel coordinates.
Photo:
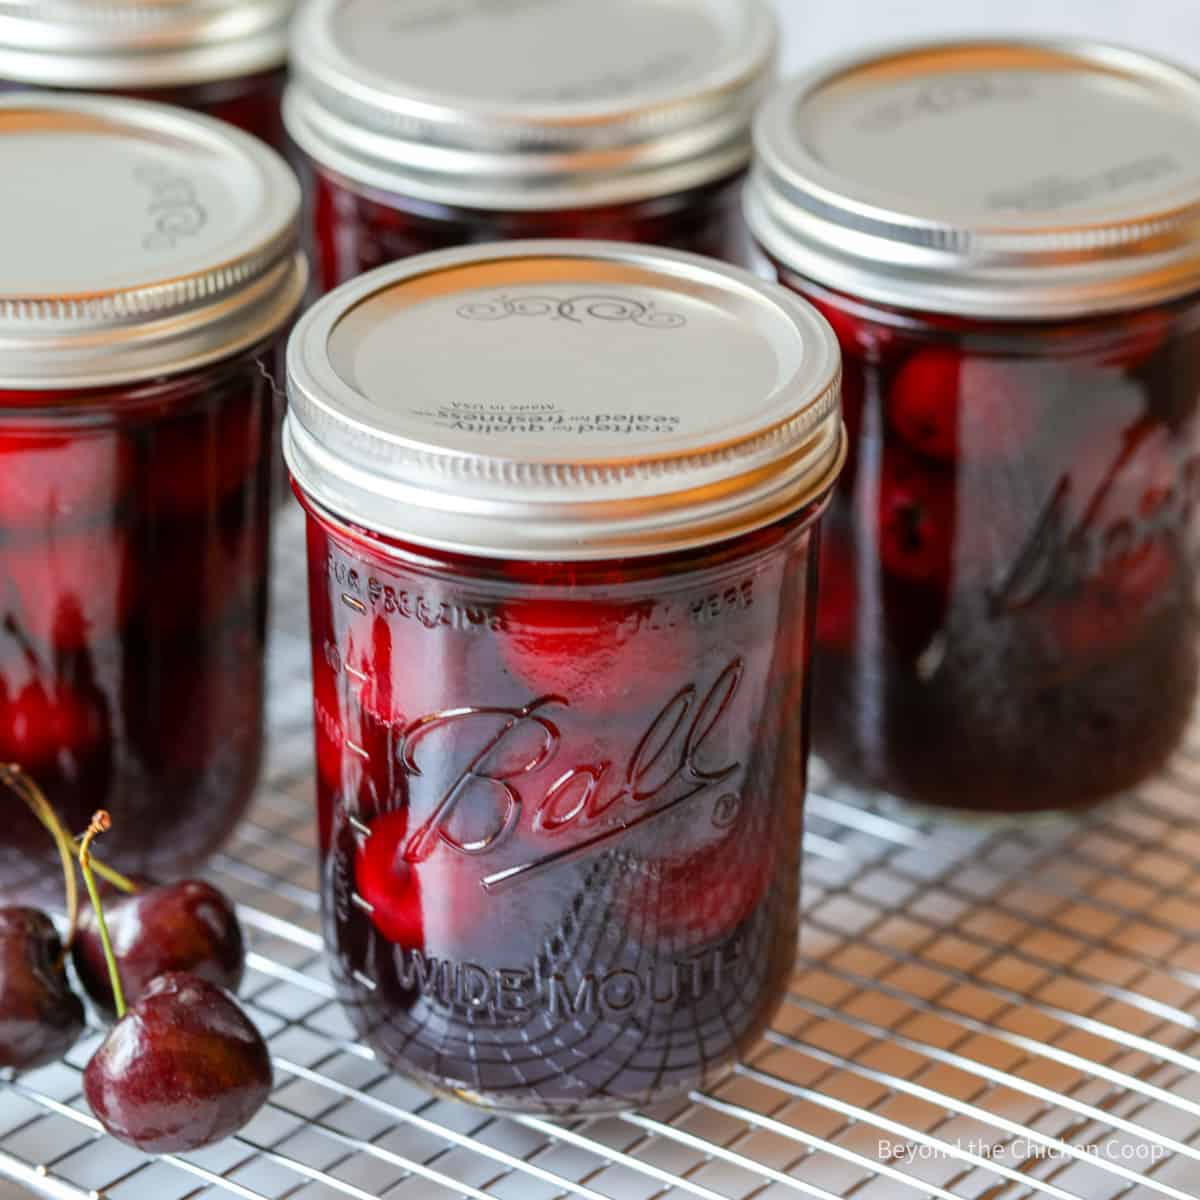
(136, 45)
(562, 501)
(741, 423)
(1004, 236)
(150, 268)
(201, 259)
(882, 178)
(628, 102)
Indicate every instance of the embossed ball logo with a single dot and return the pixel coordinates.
(576, 309)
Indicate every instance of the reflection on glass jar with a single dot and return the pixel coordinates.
(560, 679)
(1020, 532)
(135, 471)
(451, 124)
(224, 59)
(1008, 622)
(554, 802)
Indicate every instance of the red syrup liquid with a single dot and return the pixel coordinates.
(134, 529)
(560, 809)
(353, 232)
(251, 102)
(1009, 624)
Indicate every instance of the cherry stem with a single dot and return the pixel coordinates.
(121, 882)
(101, 823)
(19, 781)
(16, 780)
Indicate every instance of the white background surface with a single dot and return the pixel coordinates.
(817, 29)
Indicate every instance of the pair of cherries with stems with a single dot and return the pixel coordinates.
(183, 1066)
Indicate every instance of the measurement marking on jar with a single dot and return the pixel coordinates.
(353, 602)
(365, 980)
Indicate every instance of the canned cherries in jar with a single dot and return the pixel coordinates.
(1006, 237)
(439, 123)
(562, 503)
(224, 58)
(150, 264)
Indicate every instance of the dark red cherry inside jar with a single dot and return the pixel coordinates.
(224, 58)
(569, 132)
(561, 680)
(135, 470)
(1012, 550)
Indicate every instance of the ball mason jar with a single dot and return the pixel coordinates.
(562, 502)
(150, 265)
(224, 58)
(1006, 237)
(441, 124)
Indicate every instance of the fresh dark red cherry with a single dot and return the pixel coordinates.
(40, 1017)
(184, 1068)
(948, 406)
(188, 926)
(916, 521)
(388, 883)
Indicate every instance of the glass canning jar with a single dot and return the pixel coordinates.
(150, 266)
(224, 58)
(451, 123)
(1006, 237)
(562, 503)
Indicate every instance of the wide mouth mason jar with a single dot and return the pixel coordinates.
(440, 123)
(149, 268)
(1006, 236)
(224, 58)
(562, 500)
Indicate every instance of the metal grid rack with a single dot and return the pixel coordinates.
(976, 1014)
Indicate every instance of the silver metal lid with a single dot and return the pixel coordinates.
(529, 104)
(1001, 179)
(562, 400)
(136, 240)
(140, 43)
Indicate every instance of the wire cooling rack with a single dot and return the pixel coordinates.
(976, 1014)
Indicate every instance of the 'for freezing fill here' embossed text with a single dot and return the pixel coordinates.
(367, 595)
